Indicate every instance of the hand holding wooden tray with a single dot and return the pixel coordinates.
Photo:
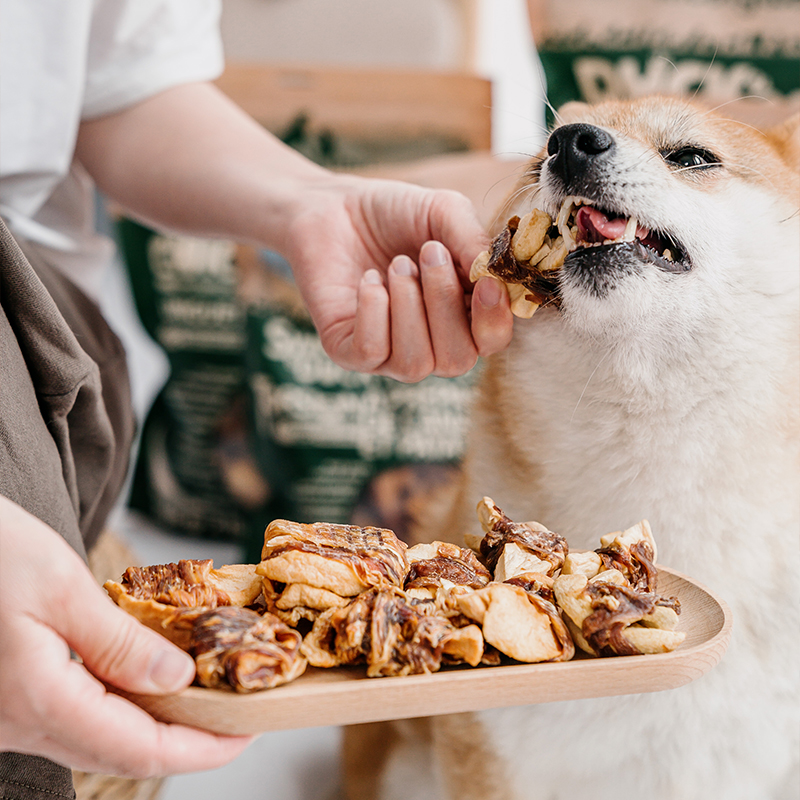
(345, 696)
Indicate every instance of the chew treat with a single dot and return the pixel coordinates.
(511, 548)
(535, 583)
(528, 240)
(524, 256)
(238, 648)
(342, 559)
(297, 601)
(382, 629)
(442, 566)
(609, 617)
(152, 594)
(632, 552)
(518, 623)
(587, 563)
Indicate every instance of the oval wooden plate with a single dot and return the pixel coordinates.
(345, 696)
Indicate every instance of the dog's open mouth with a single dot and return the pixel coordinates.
(584, 225)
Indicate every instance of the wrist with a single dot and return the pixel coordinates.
(288, 195)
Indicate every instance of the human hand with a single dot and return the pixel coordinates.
(54, 706)
(383, 267)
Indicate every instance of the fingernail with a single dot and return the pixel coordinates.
(372, 277)
(489, 292)
(171, 670)
(433, 254)
(403, 265)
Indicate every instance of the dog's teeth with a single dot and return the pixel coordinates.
(630, 230)
(563, 214)
(568, 235)
(668, 255)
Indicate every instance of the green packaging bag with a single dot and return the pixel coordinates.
(743, 55)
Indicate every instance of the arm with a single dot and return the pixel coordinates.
(56, 707)
(384, 298)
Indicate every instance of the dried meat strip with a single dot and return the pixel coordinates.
(238, 648)
(386, 632)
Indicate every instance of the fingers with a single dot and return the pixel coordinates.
(453, 221)
(52, 705)
(116, 647)
(419, 323)
(448, 321)
(492, 320)
(105, 733)
(412, 356)
(371, 341)
(427, 325)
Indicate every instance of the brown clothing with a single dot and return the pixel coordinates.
(66, 427)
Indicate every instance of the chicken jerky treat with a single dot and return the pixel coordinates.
(525, 256)
(518, 623)
(606, 616)
(382, 629)
(511, 548)
(309, 568)
(633, 553)
(438, 566)
(153, 594)
(238, 648)
(344, 559)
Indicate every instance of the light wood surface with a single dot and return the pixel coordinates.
(368, 103)
(345, 696)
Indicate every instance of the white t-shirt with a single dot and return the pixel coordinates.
(62, 61)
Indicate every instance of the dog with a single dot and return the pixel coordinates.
(665, 385)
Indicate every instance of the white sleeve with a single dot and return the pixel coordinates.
(138, 48)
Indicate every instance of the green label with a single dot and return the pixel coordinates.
(322, 432)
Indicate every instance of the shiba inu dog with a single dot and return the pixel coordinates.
(664, 385)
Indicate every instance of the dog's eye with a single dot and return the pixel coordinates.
(691, 158)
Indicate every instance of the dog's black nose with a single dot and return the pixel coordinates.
(574, 147)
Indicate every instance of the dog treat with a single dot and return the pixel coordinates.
(518, 623)
(152, 594)
(382, 629)
(512, 548)
(343, 559)
(361, 596)
(524, 256)
(613, 618)
(242, 649)
(442, 565)
(632, 552)
(309, 568)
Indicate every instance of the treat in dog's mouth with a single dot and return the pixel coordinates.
(528, 253)
(583, 225)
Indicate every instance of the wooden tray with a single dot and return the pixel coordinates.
(345, 696)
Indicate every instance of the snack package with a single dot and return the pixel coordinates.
(337, 445)
(185, 294)
(718, 51)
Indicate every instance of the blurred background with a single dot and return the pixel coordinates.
(242, 416)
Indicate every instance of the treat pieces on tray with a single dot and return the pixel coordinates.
(329, 595)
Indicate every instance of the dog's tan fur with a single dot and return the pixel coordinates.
(671, 397)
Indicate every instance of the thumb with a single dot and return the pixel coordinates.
(117, 648)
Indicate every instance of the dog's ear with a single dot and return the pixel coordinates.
(574, 111)
(785, 139)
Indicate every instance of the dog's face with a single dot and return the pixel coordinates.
(681, 220)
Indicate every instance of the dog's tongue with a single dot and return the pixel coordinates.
(595, 226)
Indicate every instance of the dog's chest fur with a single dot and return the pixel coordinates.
(586, 441)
